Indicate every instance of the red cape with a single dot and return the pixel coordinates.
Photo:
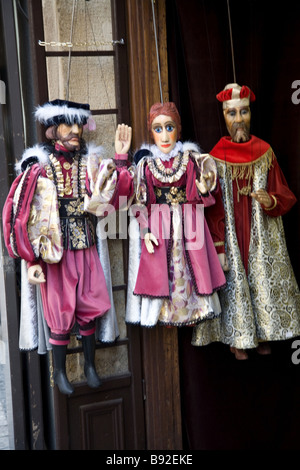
(239, 153)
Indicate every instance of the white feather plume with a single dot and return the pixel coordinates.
(49, 111)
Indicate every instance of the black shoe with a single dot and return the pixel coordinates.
(61, 380)
(88, 344)
(60, 376)
(92, 378)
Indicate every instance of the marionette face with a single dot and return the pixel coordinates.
(67, 135)
(237, 120)
(164, 132)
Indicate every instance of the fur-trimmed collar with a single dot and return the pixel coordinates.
(179, 147)
(41, 152)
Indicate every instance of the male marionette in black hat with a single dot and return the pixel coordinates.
(47, 222)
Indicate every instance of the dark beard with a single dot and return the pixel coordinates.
(240, 133)
(69, 155)
(66, 142)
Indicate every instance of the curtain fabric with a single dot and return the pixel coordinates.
(230, 404)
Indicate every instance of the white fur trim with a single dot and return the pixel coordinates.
(184, 147)
(193, 147)
(42, 154)
(37, 151)
(49, 111)
(93, 149)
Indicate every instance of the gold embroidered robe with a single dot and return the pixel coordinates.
(263, 304)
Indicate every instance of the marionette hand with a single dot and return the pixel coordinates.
(224, 261)
(36, 275)
(149, 240)
(201, 185)
(205, 182)
(262, 197)
(110, 169)
(123, 139)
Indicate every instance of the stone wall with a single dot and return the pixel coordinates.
(92, 80)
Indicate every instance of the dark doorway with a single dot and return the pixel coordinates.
(227, 404)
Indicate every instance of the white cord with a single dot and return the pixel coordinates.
(157, 54)
(69, 60)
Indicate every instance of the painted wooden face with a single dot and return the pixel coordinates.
(69, 136)
(237, 120)
(164, 133)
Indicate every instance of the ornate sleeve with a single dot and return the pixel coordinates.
(44, 224)
(31, 223)
(215, 218)
(210, 195)
(208, 174)
(139, 208)
(108, 190)
(283, 198)
(201, 179)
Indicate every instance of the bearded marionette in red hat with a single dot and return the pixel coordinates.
(50, 222)
(261, 300)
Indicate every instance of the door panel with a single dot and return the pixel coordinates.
(97, 419)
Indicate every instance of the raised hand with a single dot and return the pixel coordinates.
(123, 139)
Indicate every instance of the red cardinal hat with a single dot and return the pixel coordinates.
(235, 95)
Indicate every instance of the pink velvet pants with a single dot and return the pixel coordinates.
(75, 290)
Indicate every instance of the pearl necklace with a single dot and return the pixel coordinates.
(168, 175)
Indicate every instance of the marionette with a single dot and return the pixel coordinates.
(49, 222)
(173, 279)
(260, 302)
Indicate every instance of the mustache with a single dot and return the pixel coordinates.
(240, 125)
(70, 137)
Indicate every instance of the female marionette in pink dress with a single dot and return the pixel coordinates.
(175, 274)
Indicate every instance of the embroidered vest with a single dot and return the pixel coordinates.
(77, 226)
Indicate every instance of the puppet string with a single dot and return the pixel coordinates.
(231, 42)
(69, 58)
(157, 53)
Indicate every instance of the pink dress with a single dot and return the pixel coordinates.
(184, 271)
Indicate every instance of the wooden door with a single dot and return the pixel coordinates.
(111, 417)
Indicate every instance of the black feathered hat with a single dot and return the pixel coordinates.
(58, 112)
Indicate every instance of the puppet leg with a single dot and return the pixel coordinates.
(88, 344)
(264, 349)
(60, 376)
(240, 354)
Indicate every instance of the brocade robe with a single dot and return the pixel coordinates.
(261, 300)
